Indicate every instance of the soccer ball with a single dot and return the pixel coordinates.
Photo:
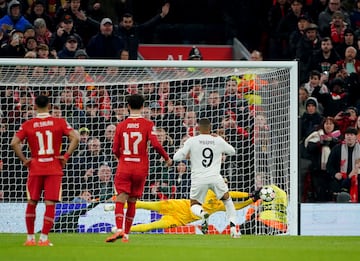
(114, 230)
(267, 194)
(109, 207)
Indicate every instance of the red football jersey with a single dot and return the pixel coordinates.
(44, 135)
(131, 144)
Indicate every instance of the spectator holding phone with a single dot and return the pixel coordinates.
(64, 30)
(346, 118)
(15, 47)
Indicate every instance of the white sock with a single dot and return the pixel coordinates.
(233, 230)
(30, 237)
(197, 210)
(230, 210)
(43, 237)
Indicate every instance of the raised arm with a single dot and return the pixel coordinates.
(165, 10)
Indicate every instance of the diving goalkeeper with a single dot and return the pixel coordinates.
(267, 217)
(177, 212)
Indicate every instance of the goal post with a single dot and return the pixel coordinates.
(253, 105)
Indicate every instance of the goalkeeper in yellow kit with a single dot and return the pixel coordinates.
(267, 217)
(177, 212)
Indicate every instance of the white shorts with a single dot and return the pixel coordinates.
(199, 190)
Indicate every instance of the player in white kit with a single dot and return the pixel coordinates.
(205, 153)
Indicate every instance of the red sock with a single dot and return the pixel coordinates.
(48, 219)
(130, 214)
(119, 214)
(30, 215)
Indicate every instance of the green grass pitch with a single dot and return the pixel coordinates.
(73, 247)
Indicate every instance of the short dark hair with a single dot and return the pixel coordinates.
(299, 1)
(204, 123)
(315, 73)
(136, 101)
(42, 101)
(127, 15)
(325, 39)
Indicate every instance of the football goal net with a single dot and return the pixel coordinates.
(252, 105)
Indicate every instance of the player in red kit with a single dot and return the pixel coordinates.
(44, 135)
(131, 148)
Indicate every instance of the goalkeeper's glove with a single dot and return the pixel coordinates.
(255, 195)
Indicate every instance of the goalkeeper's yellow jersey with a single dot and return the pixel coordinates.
(180, 208)
(275, 210)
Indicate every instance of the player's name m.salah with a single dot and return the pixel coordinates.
(43, 124)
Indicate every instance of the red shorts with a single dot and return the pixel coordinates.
(131, 184)
(50, 184)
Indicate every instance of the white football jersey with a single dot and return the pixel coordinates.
(205, 153)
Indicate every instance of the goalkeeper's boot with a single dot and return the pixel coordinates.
(44, 243)
(115, 236)
(205, 223)
(234, 233)
(30, 242)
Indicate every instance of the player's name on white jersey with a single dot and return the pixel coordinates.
(207, 142)
(43, 124)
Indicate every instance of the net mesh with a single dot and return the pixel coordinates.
(249, 107)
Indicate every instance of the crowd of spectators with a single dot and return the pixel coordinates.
(74, 25)
(323, 35)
